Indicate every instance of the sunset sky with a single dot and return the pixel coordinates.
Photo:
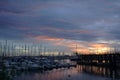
(62, 24)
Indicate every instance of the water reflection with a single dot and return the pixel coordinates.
(100, 71)
(80, 72)
(7, 74)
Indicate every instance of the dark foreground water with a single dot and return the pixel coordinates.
(80, 72)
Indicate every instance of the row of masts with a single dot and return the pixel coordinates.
(11, 48)
(8, 48)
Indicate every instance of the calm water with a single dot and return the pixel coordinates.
(79, 72)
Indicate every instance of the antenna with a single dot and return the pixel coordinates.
(76, 50)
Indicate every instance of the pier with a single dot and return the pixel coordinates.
(105, 60)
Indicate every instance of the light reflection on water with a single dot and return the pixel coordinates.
(80, 72)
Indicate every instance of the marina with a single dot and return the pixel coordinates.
(17, 62)
(33, 63)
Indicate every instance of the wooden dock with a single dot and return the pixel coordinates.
(106, 60)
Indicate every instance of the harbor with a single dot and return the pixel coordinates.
(17, 62)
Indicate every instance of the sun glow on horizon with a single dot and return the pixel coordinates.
(93, 49)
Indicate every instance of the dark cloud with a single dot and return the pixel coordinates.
(74, 19)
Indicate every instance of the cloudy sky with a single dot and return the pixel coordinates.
(63, 23)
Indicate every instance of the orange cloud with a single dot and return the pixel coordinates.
(100, 48)
(47, 38)
(99, 45)
(82, 47)
(73, 46)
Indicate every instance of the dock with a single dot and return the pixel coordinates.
(105, 60)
